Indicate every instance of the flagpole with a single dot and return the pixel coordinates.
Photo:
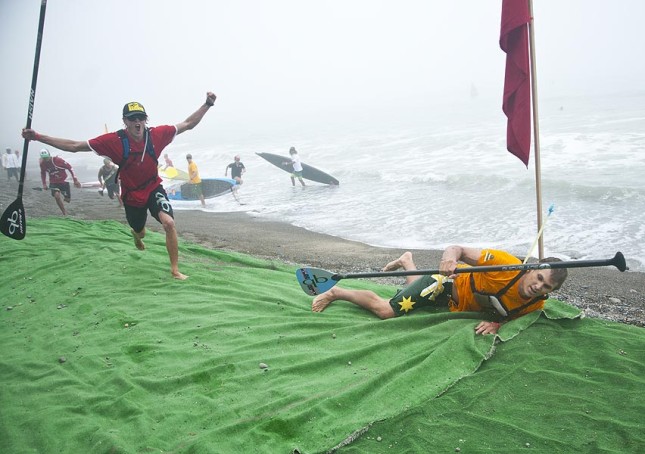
(536, 130)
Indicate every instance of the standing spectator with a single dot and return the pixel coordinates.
(11, 165)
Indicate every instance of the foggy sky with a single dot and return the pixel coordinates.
(294, 61)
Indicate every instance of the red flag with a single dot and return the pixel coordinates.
(517, 83)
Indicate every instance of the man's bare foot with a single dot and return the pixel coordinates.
(323, 300)
(138, 242)
(178, 275)
(402, 262)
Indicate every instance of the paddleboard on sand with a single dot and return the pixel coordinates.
(90, 184)
(308, 172)
(211, 187)
(172, 173)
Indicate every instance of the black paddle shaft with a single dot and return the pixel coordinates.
(32, 94)
(13, 222)
(618, 261)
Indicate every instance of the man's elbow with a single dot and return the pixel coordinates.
(74, 147)
(190, 125)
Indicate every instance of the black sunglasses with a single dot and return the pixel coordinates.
(137, 117)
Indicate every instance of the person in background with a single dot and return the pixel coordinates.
(167, 161)
(107, 179)
(57, 168)
(141, 188)
(502, 295)
(297, 167)
(193, 174)
(237, 169)
(11, 164)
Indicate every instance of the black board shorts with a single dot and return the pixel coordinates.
(63, 188)
(409, 298)
(157, 202)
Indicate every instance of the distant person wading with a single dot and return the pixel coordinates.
(297, 167)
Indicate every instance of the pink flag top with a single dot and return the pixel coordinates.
(517, 82)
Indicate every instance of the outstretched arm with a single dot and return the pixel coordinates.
(196, 117)
(62, 144)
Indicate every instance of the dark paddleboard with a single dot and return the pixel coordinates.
(211, 187)
(308, 172)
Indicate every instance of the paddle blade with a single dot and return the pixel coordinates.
(619, 262)
(13, 222)
(315, 281)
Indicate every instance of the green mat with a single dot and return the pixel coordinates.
(103, 352)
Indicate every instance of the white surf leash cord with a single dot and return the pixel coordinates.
(537, 238)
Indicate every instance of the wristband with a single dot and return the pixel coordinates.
(36, 137)
(210, 104)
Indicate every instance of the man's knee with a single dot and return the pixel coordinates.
(167, 222)
(386, 312)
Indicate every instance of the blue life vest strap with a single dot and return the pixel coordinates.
(125, 142)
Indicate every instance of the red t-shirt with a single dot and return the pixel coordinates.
(56, 167)
(138, 175)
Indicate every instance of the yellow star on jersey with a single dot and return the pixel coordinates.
(407, 303)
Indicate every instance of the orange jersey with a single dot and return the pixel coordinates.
(492, 283)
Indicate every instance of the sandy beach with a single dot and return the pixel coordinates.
(601, 292)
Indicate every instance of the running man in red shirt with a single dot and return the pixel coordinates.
(57, 169)
(136, 150)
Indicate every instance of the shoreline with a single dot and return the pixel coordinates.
(601, 292)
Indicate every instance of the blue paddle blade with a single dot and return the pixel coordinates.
(315, 281)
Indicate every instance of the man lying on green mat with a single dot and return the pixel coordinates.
(504, 295)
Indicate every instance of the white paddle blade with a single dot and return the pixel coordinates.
(315, 281)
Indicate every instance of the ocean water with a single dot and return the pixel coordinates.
(441, 179)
